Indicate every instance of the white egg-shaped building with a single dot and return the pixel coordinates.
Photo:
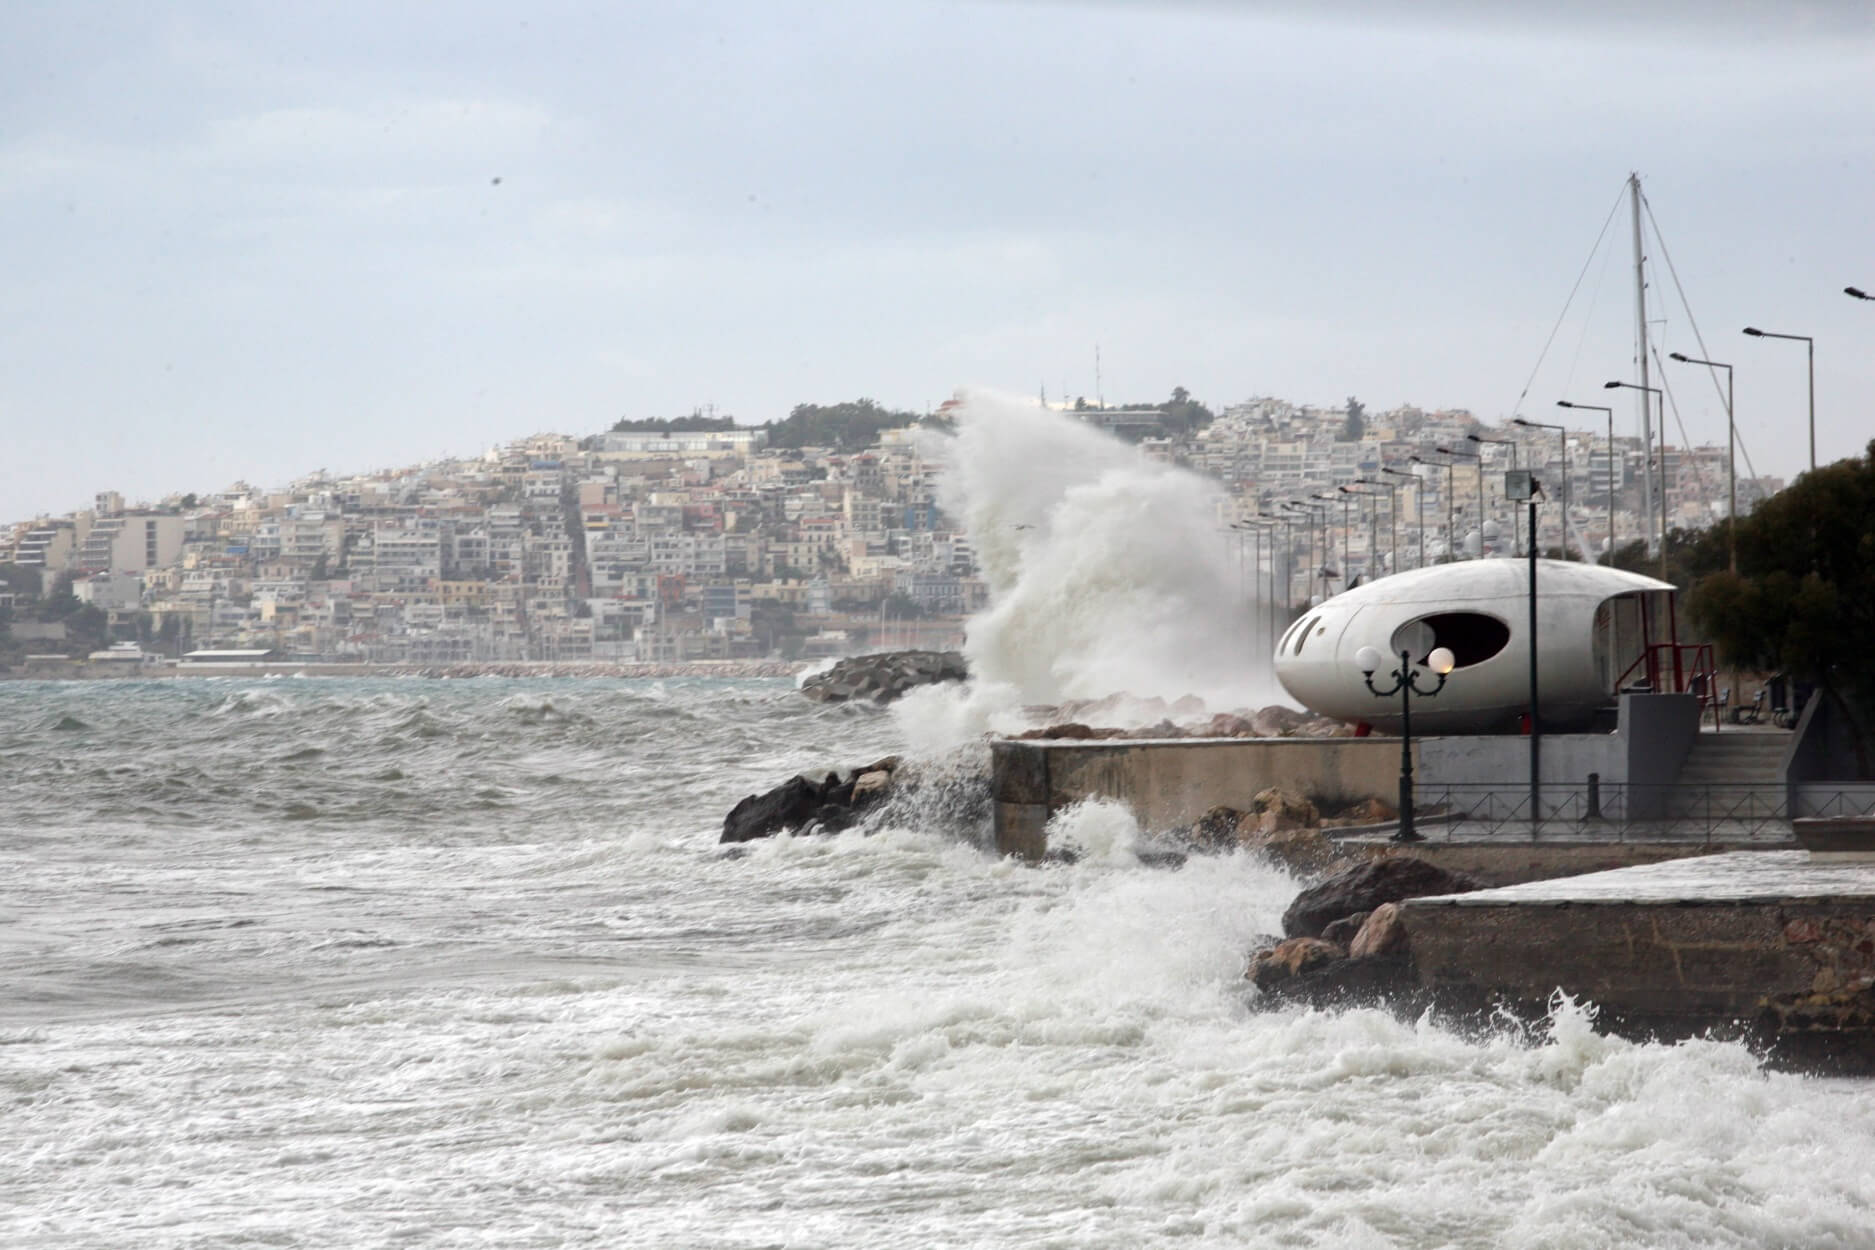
(1594, 630)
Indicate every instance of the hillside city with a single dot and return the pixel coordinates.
(696, 540)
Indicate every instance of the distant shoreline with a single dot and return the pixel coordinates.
(492, 668)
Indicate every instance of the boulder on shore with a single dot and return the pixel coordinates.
(832, 805)
(1365, 887)
(884, 676)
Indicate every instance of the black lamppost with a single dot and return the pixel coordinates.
(1809, 346)
(1393, 518)
(1373, 527)
(1856, 292)
(1654, 390)
(1477, 456)
(1447, 466)
(1562, 432)
(1610, 414)
(1405, 684)
(1347, 569)
(1516, 521)
(1731, 446)
(1419, 507)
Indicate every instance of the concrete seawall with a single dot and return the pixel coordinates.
(1173, 782)
(1766, 945)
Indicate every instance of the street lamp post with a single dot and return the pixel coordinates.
(1346, 563)
(1610, 414)
(1478, 457)
(1393, 518)
(1562, 432)
(1419, 506)
(1318, 561)
(1447, 466)
(1441, 662)
(1810, 347)
(1373, 526)
(1516, 522)
(1635, 386)
(1731, 454)
(1856, 292)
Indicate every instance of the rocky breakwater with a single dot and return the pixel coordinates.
(884, 676)
(1080, 722)
(830, 805)
(1343, 938)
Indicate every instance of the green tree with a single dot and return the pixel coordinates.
(696, 422)
(1355, 426)
(1803, 599)
(848, 427)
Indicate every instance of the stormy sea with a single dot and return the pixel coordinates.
(348, 962)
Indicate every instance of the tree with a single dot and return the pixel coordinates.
(849, 427)
(1803, 599)
(1355, 427)
(696, 422)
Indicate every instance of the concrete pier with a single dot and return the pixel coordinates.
(1767, 945)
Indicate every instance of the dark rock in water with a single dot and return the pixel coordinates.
(885, 676)
(1342, 931)
(1367, 886)
(832, 818)
(1293, 958)
(789, 805)
(1161, 859)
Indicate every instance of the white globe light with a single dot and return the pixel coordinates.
(1441, 661)
(1368, 659)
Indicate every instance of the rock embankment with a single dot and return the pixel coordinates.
(1274, 721)
(1343, 939)
(829, 805)
(884, 676)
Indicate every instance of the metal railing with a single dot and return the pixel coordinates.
(1620, 812)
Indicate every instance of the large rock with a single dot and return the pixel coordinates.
(789, 805)
(884, 676)
(1365, 887)
(1291, 959)
(1382, 933)
(1277, 810)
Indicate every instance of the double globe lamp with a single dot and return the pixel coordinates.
(1440, 661)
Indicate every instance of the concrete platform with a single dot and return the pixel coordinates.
(1765, 945)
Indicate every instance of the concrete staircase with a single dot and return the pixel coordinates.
(1731, 774)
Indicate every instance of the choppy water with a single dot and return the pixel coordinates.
(347, 963)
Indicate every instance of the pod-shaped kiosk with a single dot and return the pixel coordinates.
(1593, 639)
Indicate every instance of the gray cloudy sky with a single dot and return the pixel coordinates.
(246, 241)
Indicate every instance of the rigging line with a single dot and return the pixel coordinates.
(1731, 417)
(1588, 319)
(1687, 459)
(1525, 392)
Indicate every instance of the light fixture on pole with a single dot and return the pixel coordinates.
(1731, 452)
(1439, 661)
(1373, 529)
(1318, 563)
(1516, 521)
(1447, 466)
(1419, 506)
(1654, 390)
(1347, 573)
(1610, 414)
(1393, 518)
(1478, 457)
(1810, 347)
(1856, 292)
(1562, 432)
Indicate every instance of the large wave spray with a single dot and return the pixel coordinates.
(1108, 572)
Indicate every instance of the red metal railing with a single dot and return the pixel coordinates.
(1679, 668)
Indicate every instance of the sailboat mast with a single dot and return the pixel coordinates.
(1646, 396)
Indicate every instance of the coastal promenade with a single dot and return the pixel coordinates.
(493, 668)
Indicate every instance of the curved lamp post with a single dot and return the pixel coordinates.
(1405, 684)
(1562, 432)
(1856, 292)
(1477, 456)
(1393, 517)
(1419, 507)
(1610, 414)
(1810, 346)
(1516, 523)
(1654, 390)
(1731, 454)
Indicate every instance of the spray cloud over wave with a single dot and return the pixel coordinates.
(1108, 572)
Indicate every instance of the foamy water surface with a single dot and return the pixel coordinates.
(354, 963)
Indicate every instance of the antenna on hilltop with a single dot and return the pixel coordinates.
(1099, 397)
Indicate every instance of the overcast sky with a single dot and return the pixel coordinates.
(248, 241)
